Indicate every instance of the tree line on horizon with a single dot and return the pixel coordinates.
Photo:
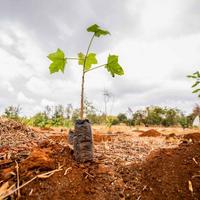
(55, 116)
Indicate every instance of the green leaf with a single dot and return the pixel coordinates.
(113, 66)
(195, 84)
(191, 76)
(90, 60)
(58, 61)
(197, 74)
(194, 75)
(97, 30)
(195, 91)
(81, 58)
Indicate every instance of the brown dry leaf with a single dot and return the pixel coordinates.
(190, 186)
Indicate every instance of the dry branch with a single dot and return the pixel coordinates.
(44, 175)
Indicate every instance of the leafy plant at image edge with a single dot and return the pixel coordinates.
(59, 61)
(195, 76)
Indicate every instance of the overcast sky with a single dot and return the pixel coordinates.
(158, 43)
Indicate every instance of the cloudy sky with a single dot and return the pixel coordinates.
(158, 43)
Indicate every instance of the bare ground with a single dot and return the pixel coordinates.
(126, 166)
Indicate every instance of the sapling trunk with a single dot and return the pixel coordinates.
(82, 95)
(83, 79)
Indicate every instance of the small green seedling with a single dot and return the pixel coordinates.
(87, 60)
(195, 76)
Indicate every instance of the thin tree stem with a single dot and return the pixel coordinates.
(99, 66)
(83, 79)
(74, 59)
(96, 67)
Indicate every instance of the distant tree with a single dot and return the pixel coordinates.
(12, 112)
(171, 117)
(89, 108)
(184, 122)
(196, 110)
(139, 117)
(68, 110)
(190, 119)
(39, 120)
(47, 111)
(154, 115)
(75, 115)
(58, 116)
(122, 118)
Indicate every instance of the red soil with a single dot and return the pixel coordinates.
(150, 133)
(167, 172)
(193, 136)
(164, 175)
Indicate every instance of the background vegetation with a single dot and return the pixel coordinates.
(56, 116)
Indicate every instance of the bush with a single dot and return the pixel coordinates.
(184, 122)
(39, 120)
(122, 118)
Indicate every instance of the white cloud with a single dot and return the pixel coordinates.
(38, 86)
(155, 50)
(46, 102)
(22, 98)
(8, 86)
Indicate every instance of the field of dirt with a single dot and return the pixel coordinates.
(135, 163)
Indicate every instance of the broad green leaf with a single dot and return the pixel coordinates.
(97, 30)
(113, 66)
(58, 61)
(90, 60)
(81, 58)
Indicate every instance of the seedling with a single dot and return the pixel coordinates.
(87, 61)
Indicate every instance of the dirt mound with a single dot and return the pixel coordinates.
(195, 137)
(74, 181)
(172, 174)
(38, 159)
(102, 137)
(150, 133)
(15, 134)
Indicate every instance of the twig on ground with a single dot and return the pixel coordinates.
(44, 175)
(88, 175)
(195, 176)
(30, 193)
(17, 171)
(195, 161)
(139, 198)
(67, 170)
